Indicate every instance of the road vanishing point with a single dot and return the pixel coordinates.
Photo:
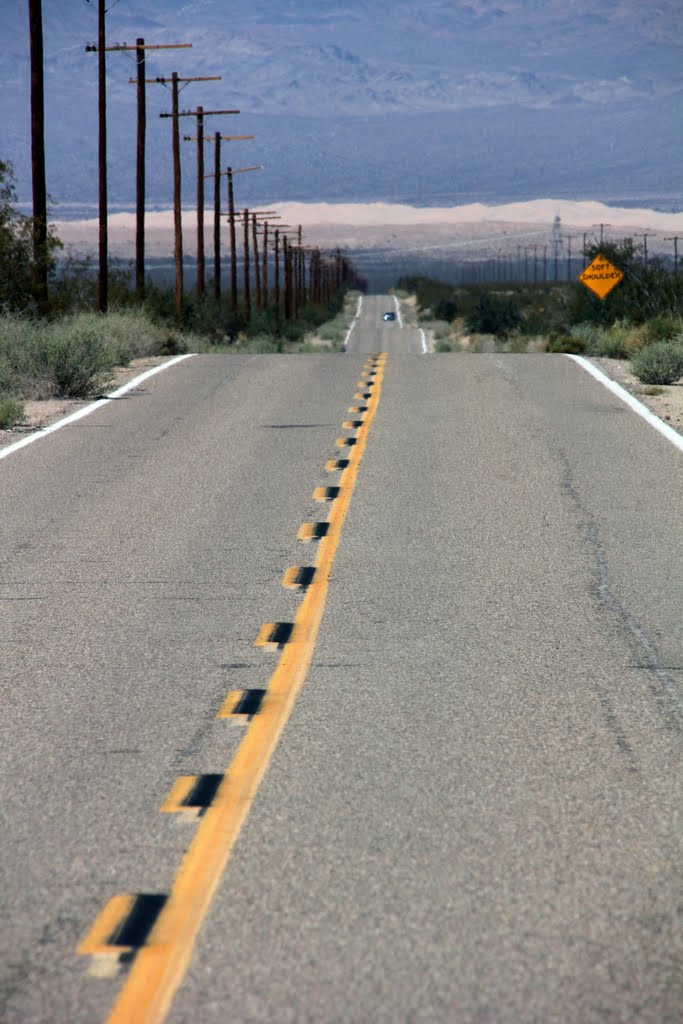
(344, 688)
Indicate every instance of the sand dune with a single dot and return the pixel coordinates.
(369, 225)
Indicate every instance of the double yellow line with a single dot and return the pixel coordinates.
(160, 964)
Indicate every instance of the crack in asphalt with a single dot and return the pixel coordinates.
(666, 693)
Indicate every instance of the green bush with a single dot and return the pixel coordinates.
(8, 376)
(74, 356)
(612, 347)
(334, 330)
(11, 411)
(446, 309)
(659, 363)
(518, 342)
(444, 346)
(662, 328)
(612, 342)
(261, 344)
(493, 315)
(16, 247)
(77, 358)
(567, 343)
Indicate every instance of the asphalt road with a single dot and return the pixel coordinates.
(473, 813)
(373, 334)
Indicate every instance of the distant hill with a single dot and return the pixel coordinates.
(436, 104)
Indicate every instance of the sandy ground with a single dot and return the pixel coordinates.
(664, 401)
(40, 414)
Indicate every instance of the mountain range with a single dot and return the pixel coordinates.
(434, 104)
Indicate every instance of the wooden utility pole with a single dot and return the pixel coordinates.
(217, 175)
(535, 248)
(140, 173)
(255, 215)
(602, 230)
(287, 268)
(200, 139)
(264, 268)
(217, 219)
(569, 256)
(100, 49)
(247, 293)
(39, 222)
(177, 208)
(103, 285)
(315, 276)
(175, 115)
(277, 281)
(139, 81)
(247, 269)
(233, 242)
(675, 240)
(257, 268)
(645, 238)
(200, 201)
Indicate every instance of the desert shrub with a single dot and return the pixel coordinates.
(442, 345)
(659, 363)
(612, 347)
(334, 330)
(659, 328)
(77, 358)
(446, 309)
(16, 247)
(518, 342)
(11, 411)
(662, 328)
(73, 356)
(612, 342)
(493, 315)
(172, 344)
(261, 344)
(574, 344)
(306, 348)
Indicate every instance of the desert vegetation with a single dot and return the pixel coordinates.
(641, 320)
(64, 348)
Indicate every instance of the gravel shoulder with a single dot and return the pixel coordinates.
(43, 413)
(664, 400)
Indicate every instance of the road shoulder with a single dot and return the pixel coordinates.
(664, 400)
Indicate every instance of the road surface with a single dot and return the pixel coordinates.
(469, 811)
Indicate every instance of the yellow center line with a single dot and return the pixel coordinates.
(160, 965)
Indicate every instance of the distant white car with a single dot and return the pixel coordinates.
(389, 316)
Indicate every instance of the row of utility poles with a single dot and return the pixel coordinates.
(544, 263)
(300, 274)
(295, 290)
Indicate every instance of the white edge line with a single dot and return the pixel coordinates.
(668, 432)
(423, 336)
(398, 312)
(87, 409)
(353, 322)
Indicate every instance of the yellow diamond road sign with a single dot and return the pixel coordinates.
(601, 276)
